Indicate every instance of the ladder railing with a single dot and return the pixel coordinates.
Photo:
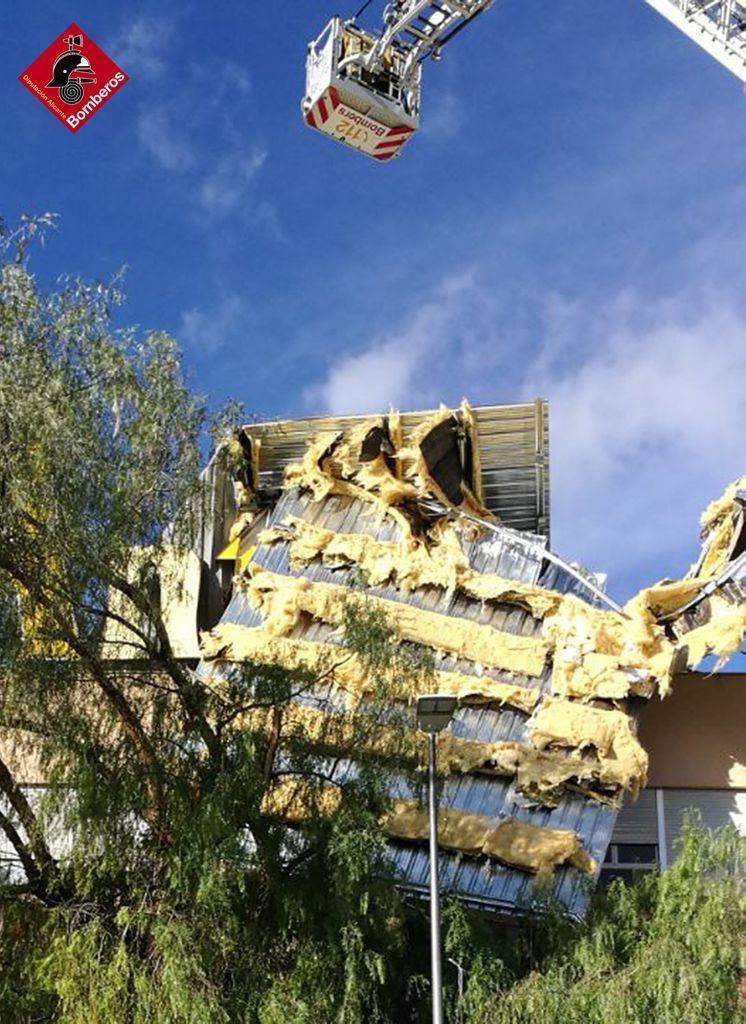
(717, 26)
(423, 27)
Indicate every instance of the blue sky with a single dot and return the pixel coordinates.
(569, 222)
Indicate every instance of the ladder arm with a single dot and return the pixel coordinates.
(717, 26)
(424, 25)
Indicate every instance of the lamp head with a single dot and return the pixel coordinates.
(435, 711)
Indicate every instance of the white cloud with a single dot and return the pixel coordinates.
(266, 215)
(445, 118)
(221, 87)
(372, 380)
(217, 98)
(161, 139)
(227, 184)
(648, 414)
(647, 405)
(140, 47)
(235, 78)
(207, 332)
(396, 366)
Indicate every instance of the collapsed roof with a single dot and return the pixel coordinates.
(549, 673)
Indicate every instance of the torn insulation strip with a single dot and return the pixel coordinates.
(722, 635)
(296, 800)
(606, 654)
(665, 597)
(343, 668)
(540, 777)
(408, 565)
(530, 848)
(283, 599)
(335, 733)
(330, 467)
(472, 455)
(313, 473)
(242, 454)
(367, 456)
(369, 463)
(440, 460)
(574, 726)
(722, 525)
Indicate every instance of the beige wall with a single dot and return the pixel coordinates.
(17, 751)
(696, 737)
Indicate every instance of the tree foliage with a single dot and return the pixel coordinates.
(667, 950)
(147, 884)
(178, 898)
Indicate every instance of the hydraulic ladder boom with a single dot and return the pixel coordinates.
(718, 26)
(426, 26)
(363, 88)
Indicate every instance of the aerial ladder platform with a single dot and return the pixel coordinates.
(363, 88)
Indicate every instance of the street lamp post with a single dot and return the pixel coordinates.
(434, 712)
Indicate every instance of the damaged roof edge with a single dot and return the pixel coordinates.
(513, 445)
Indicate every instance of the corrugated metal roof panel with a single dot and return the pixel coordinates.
(513, 447)
(490, 884)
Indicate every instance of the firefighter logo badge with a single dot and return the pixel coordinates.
(70, 71)
(73, 77)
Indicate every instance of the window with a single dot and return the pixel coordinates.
(627, 861)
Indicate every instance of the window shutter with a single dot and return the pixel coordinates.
(637, 821)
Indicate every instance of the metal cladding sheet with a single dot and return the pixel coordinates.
(513, 450)
(479, 881)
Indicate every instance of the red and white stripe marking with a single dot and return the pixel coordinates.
(319, 113)
(371, 137)
(395, 139)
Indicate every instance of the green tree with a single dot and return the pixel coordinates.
(177, 897)
(180, 898)
(668, 950)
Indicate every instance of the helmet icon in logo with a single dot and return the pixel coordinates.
(70, 70)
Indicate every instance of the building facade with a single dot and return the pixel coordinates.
(696, 741)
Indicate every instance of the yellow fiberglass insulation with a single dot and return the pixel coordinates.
(527, 847)
(335, 732)
(721, 636)
(342, 668)
(537, 849)
(296, 799)
(470, 424)
(605, 653)
(415, 468)
(283, 599)
(665, 597)
(366, 455)
(408, 565)
(718, 525)
(339, 732)
(539, 776)
(313, 471)
(530, 848)
(369, 462)
(332, 465)
(723, 631)
(542, 776)
(574, 726)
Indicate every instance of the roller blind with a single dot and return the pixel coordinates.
(717, 807)
(637, 822)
